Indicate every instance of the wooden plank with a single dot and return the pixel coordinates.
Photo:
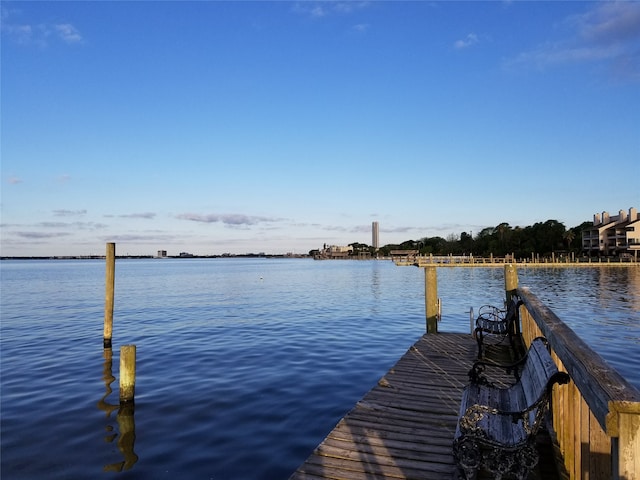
(404, 427)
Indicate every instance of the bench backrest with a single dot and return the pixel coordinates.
(494, 314)
(537, 378)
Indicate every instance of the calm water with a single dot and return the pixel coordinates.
(243, 366)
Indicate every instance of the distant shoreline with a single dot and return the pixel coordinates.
(153, 257)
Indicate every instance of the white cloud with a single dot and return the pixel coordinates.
(235, 219)
(610, 22)
(69, 213)
(145, 215)
(557, 54)
(21, 34)
(470, 39)
(324, 9)
(68, 33)
(318, 11)
(361, 27)
(37, 34)
(41, 235)
(609, 32)
(142, 238)
(350, 6)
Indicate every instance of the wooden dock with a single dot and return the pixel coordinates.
(403, 428)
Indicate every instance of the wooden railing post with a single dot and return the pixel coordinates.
(626, 426)
(110, 286)
(431, 298)
(510, 280)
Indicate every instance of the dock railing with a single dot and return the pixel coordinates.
(597, 418)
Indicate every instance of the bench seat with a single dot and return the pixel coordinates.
(497, 426)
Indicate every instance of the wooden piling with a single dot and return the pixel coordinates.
(510, 280)
(127, 373)
(109, 294)
(431, 298)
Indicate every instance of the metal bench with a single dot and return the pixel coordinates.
(497, 426)
(497, 322)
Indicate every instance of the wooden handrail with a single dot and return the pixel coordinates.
(604, 448)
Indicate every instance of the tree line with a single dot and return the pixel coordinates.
(540, 239)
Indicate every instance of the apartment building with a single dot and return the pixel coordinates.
(613, 234)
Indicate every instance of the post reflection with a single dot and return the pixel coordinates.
(126, 429)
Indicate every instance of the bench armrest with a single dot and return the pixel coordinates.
(476, 374)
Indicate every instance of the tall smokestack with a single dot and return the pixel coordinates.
(375, 235)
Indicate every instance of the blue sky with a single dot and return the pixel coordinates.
(214, 127)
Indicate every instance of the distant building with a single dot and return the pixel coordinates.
(162, 254)
(375, 235)
(334, 252)
(613, 235)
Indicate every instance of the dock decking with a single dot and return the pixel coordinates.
(403, 428)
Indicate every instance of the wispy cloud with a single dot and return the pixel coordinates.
(74, 225)
(68, 33)
(469, 40)
(361, 27)
(69, 213)
(227, 219)
(325, 9)
(398, 229)
(609, 32)
(610, 22)
(13, 180)
(145, 215)
(37, 34)
(20, 34)
(41, 235)
(139, 238)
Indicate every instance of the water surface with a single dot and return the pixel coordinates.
(243, 365)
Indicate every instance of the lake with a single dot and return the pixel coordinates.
(243, 365)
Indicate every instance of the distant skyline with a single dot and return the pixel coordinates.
(237, 127)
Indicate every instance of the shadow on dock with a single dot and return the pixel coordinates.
(404, 427)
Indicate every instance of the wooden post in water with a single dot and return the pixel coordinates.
(431, 298)
(510, 280)
(127, 373)
(110, 280)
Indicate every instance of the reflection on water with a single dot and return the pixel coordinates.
(126, 435)
(108, 379)
(126, 439)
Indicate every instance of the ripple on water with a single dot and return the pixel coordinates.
(242, 366)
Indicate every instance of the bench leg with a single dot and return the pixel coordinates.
(527, 460)
(468, 456)
(511, 463)
(479, 339)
